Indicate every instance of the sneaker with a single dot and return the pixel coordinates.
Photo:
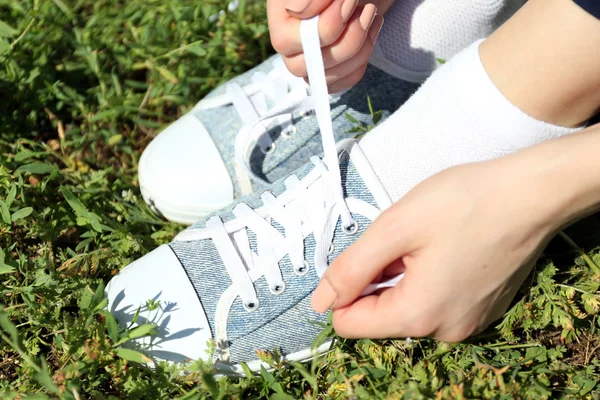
(195, 167)
(240, 280)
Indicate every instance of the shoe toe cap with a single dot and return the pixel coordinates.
(183, 330)
(182, 174)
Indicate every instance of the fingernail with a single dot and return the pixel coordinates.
(348, 8)
(376, 27)
(324, 297)
(367, 16)
(296, 6)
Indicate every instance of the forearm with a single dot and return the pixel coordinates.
(557, 181)
(546, 59)
(575, 170)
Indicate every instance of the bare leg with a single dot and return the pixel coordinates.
(546, 61)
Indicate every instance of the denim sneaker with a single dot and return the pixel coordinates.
(200, 163)
(243, 277)
(240, 280)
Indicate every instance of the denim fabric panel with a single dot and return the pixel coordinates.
(352, 182)
(387, 94)
(290, 332)
(206, 271)
(302, 171)
(278, 226)
(224, 123)
(252, 241)
(240, 322)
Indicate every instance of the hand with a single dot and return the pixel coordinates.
(347, 31)
(466, 240)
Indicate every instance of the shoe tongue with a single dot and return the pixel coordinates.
(262, 101)
(284, 83)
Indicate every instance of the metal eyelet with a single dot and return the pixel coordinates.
(286, 133)
(302, 270)
(277, 289)
(251, 306)
(331, 249)
(351, 229)
(269, 150)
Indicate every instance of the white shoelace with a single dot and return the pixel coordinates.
(311, 205)
(286, 92)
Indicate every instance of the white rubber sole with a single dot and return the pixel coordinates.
(236, 370)
(182, 214)
(224, 369)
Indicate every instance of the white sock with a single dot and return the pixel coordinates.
(418, 32)
(457, 116)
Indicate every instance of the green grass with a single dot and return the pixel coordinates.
(84, 86)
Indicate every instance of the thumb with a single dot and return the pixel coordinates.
(387, 240)
(388, 313)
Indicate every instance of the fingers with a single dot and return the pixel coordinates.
(347, 35)
(389, 314)
(302, 9)
(284, 27)
(350, 72)
(358, 36)
(387, 240)
(379, 310)
(347, 81)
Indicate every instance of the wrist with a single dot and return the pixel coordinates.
(576, 173)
